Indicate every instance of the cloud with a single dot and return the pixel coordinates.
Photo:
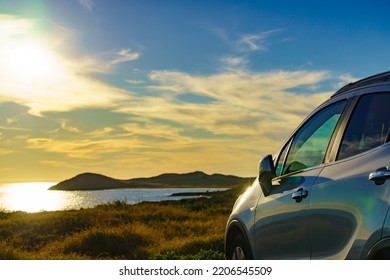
(243, 105)
(255, 42)
(344, 79)
(242, 89)
(5, 152)
(234, 63)
(102, 131)
(11, 25)
(85, 148)
(38, 143)
(134, 82)
(88, 4)
(244, 44)
(55, 163)
(66, 125)
(105, 62)
(125, 55)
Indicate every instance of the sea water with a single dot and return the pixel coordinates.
(35, 197)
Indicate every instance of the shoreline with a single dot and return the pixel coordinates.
(33, 200)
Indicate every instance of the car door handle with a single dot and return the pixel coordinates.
(299, 194)
(379, 176)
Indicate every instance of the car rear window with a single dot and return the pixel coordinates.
(368, 126)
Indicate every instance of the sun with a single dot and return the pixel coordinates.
(30, 60)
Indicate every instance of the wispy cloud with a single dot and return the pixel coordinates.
(105, 62)
(88, 4)
(240, 88)
(344, 79)
(255, 42)
(56, 163)
(134, 82)
(251, 42)
(234, 62)
(66, 125)
(125, 55)
(247, 104)
(243, 45)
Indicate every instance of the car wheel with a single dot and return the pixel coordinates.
(384, 254)
(239, 249)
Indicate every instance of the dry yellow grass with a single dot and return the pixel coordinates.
(187, 229)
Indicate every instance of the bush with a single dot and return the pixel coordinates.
(107, 244)
(7, 253)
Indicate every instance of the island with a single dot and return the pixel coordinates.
(93, 181)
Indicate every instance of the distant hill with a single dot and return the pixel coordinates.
(93, 181)
(89, 181)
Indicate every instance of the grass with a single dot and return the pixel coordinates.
(186, 229)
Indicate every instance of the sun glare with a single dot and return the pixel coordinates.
(30, 61)
(31, 197)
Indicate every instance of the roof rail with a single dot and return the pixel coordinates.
(378, 78)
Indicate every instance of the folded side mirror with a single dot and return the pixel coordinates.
(266, 174)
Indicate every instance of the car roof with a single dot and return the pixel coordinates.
(375, 79)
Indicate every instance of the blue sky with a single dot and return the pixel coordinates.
(138, 88)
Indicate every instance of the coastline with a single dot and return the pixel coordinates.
(37, 198)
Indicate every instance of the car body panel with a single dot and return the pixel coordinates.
(343, 198)
(243, 212)
(386, 224)
(281, 223)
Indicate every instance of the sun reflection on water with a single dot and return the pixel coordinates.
(30, 197)
(35, 197)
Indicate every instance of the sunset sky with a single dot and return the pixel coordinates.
(138, 88)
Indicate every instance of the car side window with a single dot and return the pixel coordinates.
(368, 126)
(309, 144)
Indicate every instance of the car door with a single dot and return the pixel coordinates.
(281, 220)
(350, 199)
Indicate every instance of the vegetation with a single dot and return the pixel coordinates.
(186, 229)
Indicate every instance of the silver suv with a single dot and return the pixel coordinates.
(326, 193)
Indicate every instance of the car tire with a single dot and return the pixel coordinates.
(384, 254)
(239, 249)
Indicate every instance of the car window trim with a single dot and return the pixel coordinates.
(287, 145)
(338, 133)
